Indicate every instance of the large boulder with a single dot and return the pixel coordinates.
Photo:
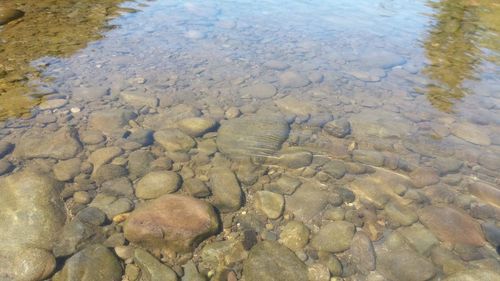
(36, 143)
(171, 222)
(32, 215)
(255, 135)
(270, 261)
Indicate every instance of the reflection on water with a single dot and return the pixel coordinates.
(48, 28)
(453, 47)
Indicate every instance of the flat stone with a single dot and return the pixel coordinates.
(173, 222)
(318, 272)
(485, 192)
(67, 169)
(451, 225)
(111, 121)
(381, 58)
(151, 268)
(334, 237)
(226, 190)
(492, 233)
(196, 126)
(447, 165)
(335, 168)
(118, 187)
(92, 137)
(368, 157)
(270, 203)
(474, 275)
(254, 135)
(363, 253)
(73, 237)
(382, 124)
(286, 185)
(276, 65)
(290, 104)
(94, 263)
(53, 104)
(269, 261)
(157, 183)
(259, 91)
(404, 264)
(295, 235)
(174, 140)
(191, 272)
(32, 215)
(62, 144)
(424, 176)
(419, 238)
(471, 132)
(292, 79)
(104, 156)
(307, 202)
(401, 214)
(108, 172)
(139, 99)
(295, 159)
(141, 136)
(489, 160)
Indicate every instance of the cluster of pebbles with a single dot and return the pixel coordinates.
(137, 191)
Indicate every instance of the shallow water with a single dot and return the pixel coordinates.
(397, 102)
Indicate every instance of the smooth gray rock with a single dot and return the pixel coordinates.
(255, 135)
(111, 121)
(338, 128)
(402, 264)
(68, 169)
(307, 202)
(295, 235)
(174, 140)
(368, 157)
(139, 163)
(363, 253)
(259, 91)
(196, 126)
(269, 203)
(335, 168)
(196, 188)
(269, 261)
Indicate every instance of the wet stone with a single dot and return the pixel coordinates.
(92, 137)
(139, 99)
(318, 272)
(156, 184)
(139, 163)
(294, 235)
(307, 202)
(489, 160)
(94, 263)
(286, 185)
(111, 121)
(424, 176)
(338, 128)
(447, 165)
(335, 168)
(104, 156)
(252, 135)
(151, 268)
(226, 190)
(108, 172)
(471, 133)
(73, 237)
(67, 169)
(368, 157)
(334, 237)
(111, 205)
(118, 187)
(485, 192)
(196, 188)
(451, 225)
(259, 91)
(270, 203)
(172, 222)
(295, 160)
(174, 140)
(363, 253)
(401, 214)
(269, 261)
(53, 104)
(141, 136)
(62, 144)
(404, 265)
(196, 126)
(292, 79)
(420, 238)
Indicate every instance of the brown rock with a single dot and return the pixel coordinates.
(424, 176)
(172, 222)
(451, 225)
(485, 192)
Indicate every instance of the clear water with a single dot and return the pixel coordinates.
(418, 80)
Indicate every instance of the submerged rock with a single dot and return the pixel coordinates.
(259, 91)
(32, 215)
(151, 268)
(157, 183)
(94, 263)
(471, 133)
(111, 121)
(269, 261)
(196, 126)
(451, 225)
(174, 140)
(226, 190)
(404, 264)
(171, 222)
(62, 144)
(252, 135)
(334, 237)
